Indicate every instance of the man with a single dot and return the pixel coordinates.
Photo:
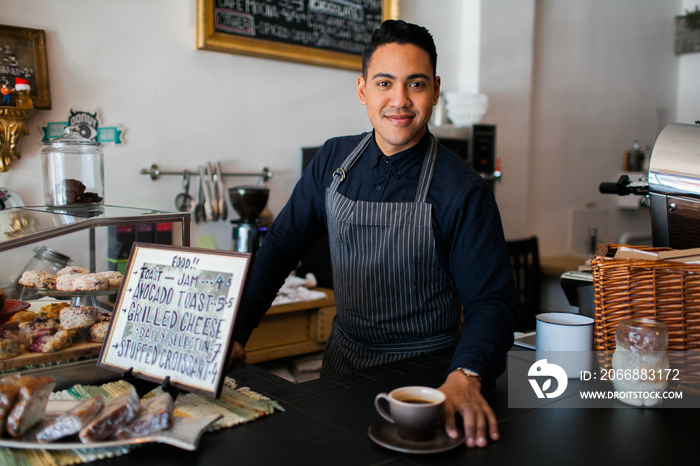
(415, 236)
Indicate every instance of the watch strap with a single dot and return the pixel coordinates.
(468, 373)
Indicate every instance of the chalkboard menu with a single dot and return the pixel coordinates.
(174, 315)
(319, 32)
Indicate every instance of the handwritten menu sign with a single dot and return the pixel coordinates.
(321, 32)
(174, 316)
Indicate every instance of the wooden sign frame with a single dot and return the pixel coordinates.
(24, 56)
(245, 43)
(174, 315)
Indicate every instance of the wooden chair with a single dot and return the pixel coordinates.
(525, 257)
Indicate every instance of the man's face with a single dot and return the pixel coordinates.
(399, 93)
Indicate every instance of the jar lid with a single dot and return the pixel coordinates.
(44, 253)
(74, 135)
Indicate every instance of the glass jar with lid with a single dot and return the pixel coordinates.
(73, 171)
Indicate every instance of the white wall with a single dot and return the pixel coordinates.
(506, 77)
(602, 69)
(455, 26)
(688, 103)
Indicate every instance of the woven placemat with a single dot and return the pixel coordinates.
(237, 405)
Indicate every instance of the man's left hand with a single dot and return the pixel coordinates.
(463, 396)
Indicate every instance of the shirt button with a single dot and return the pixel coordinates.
(374, 164)
(378, 188)
(386, 160)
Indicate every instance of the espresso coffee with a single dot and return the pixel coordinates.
(415, 401)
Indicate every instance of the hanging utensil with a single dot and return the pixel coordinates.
(199, 214)
(223, 208)
(183, 201)
(208, 212)
(213, 194)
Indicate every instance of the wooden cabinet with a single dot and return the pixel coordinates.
(292, 329)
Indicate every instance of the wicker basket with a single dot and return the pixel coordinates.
(665, 291)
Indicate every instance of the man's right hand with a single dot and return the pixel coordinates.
(238, 352)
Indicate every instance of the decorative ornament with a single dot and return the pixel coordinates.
(89, 127)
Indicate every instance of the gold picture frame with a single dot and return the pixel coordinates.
(23, 55)
(241, 35)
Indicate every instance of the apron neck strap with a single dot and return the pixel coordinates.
(426, 175)
(339, 173)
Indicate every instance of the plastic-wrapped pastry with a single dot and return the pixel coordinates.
(8, 395)
(114, 416)
(72, 421)
(30, 406)
(156, 414)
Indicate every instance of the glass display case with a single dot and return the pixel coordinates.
(24, 226)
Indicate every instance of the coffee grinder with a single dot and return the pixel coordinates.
(248, 202)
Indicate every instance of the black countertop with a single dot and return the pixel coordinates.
(326, 423)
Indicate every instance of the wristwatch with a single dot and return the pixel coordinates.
(468, 373)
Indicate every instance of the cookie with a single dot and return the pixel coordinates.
(115, 278)
(81, 282)
(98, 332)
(72, 270)
(9, 345)
(78, 317)
(38, 279)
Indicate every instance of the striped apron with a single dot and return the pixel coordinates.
(393, 297)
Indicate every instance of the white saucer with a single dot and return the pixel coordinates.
(387, 435)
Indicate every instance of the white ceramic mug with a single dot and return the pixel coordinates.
(565, 339)
(416, 411)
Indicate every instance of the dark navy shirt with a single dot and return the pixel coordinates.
(466, 224)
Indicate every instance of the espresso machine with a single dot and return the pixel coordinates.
(248, 202)
(672, 192)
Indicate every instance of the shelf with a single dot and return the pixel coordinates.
(20, 226)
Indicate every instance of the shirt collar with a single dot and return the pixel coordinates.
(401, 161)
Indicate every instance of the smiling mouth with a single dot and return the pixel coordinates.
(400, 119)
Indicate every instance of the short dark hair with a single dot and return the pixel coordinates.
(396, 31)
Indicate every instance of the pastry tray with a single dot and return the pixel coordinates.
(70, 294)
(184, 434)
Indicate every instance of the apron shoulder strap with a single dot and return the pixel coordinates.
(426, 175)
(340, 172)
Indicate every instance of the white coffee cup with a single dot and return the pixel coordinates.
(416, 411)
(565, 339)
